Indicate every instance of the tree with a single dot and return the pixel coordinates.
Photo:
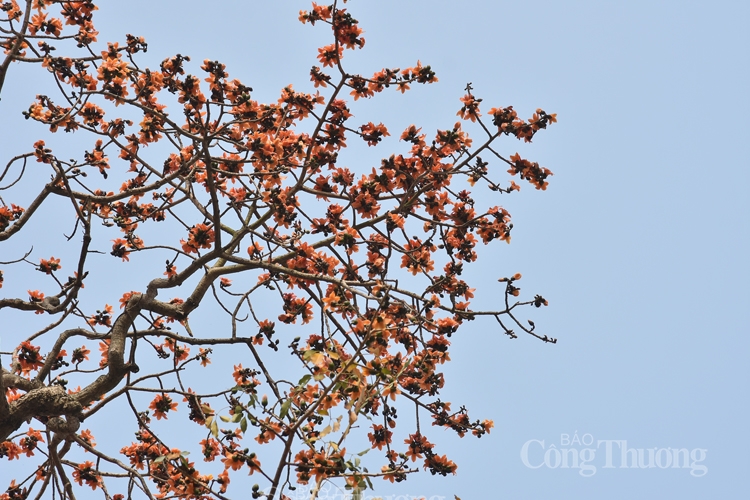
(245, 204)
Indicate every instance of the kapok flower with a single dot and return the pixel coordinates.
(48, 266)
(162, 404)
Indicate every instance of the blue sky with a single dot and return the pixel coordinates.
(640, 243)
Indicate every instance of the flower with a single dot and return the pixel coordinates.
(470, 108)
(104, 349)
(440, 465)
(162, 404)
(211, 449)
(233, 460)
(223, 481)
(125, 298)
(330, 55)
(29, 358)
(86, 472)
(418, 444)
(29, 443)
(200, 236)
(119, 249)
(10, 449)
(48, 266)
(244, 376)
(80, 354)
(171, 271)
(103, 318)
(380, 436)
(255, 250)
(203, 356)
(87, 437)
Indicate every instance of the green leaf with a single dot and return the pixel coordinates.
(285, 408)
(304, 380)
(243, 424)
(215, 429)
(363, 453)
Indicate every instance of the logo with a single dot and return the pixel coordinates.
(585, 454)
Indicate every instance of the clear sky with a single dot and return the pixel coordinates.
(640, 244)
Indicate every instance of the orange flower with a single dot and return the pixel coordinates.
(269, 431)
(417, 259)
(486, 426)
(10, 449)
(211, 449)
(223, 481)
(29, 443)
(233, 460)
(29, 358)
(530, 171)
(48, 266)
(203, 356)
(330, 55)
(104, 349)
(238, 195)
(440, 465)
(86, 472)
(255, 250)
(395, 221)
(373, 134)
(12, 394)
(319, 12)
(103, 318)
(245, 376)
(418, 444)
(180, 353)
(39, 23)
(171, 271)
(87, 437)
(162, 404)
(253, 463)
(330, 300)
(380, 436)
(470, 108)
(200, 236)
(392, 391)
(120, 249)
(125, 298)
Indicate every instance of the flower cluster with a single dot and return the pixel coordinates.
(377, 270)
